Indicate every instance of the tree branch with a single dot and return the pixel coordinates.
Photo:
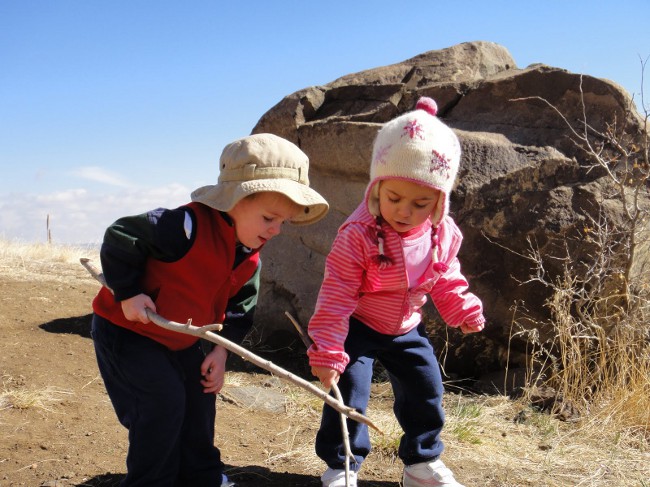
(206, 333)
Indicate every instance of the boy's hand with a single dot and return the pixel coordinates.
(326, 376)
(135, 308)
(213, 370)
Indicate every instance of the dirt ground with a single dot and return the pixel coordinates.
(57, 426)
(66, 433)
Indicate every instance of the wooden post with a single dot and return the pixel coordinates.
(49, 232)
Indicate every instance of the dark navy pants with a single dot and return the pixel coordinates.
(417, 386)
(157, 396)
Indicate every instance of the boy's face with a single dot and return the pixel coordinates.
(259, 217)
(405, 205)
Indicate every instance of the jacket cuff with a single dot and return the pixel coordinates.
(334, 360)
(477, 323)
(126, 293)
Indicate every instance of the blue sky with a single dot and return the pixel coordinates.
(114, 107)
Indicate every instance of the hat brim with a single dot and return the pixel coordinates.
(224, 196)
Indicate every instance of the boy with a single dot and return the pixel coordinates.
(200, 262)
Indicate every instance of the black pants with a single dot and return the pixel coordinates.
(157, 396)
(417, 385)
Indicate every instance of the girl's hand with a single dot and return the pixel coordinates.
(471, 329)
(213, 370)
(326, 376)
(135, 308)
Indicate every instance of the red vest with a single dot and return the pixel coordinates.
(197, 286)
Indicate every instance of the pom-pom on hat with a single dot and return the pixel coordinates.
(259, 163)
(417, 147)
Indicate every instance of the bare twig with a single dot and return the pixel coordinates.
(337, 393)
(94, 272)
(206, 333)
(598, 302)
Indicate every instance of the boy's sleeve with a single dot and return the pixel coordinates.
(241, 309)
(131, 240)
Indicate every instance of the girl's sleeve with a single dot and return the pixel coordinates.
(456, 305)
(128, 243)
(337, 300)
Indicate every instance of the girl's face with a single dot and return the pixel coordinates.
(405, 205)
(258, 217)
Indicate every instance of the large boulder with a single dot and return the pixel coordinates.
(522, 178)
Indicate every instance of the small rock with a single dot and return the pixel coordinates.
(273, 382)
(521, 417)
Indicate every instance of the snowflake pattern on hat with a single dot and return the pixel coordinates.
(380, 157)
(413, 129)
(440, 163)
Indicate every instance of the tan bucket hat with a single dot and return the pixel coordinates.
(263, 162)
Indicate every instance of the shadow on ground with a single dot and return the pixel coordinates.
(79, 325)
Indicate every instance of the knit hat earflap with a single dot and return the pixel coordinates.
(417, 147)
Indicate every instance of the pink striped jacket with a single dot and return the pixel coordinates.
(354, 285)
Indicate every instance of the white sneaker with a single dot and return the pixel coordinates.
(225, 482)
(429, 474)
(336, 478)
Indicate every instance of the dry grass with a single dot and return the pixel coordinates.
(40, 252)
(598, 357)
(540, 449)
(499, 442)
(44, 261)
(604, 374)
(14, 395)
(490, 435)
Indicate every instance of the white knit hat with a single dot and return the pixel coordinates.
(259, 163)
(417, 147)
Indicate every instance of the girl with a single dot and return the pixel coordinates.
(399, 245)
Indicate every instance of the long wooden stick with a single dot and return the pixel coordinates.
(205, 332)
